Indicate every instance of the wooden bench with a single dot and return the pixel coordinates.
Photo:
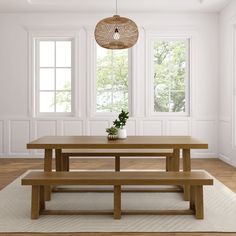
(172, 158)
(196, 181)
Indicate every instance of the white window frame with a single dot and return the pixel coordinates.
(54, 35)
(37, 67)
(92, 91)
(153, 36)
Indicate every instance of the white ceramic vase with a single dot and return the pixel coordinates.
(122, 133)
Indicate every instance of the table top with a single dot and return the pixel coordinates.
(131, 142)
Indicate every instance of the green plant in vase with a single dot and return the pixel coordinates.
(112, 133)
(120, 124)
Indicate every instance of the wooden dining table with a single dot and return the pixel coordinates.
(142, 143)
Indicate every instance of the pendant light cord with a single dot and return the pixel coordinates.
(116, 7)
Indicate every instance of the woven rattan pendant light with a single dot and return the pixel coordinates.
(116, 32)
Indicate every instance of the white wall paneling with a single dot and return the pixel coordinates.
(152, 127)
(46, 127)
(73, 128)
(19, 136)
(91, 70)
(18, 124)
(225, 146)
(1, 137)
(179, 127)
(98, 127)
(206, 130)
(131, 127)
(227, 85)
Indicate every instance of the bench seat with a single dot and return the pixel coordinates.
(196, 180)
(62, 160)
(115, 152)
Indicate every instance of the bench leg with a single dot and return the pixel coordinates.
(169, 163)
(186, 167)
(117, 163)
(62, 161)
(192, 198)
(198, 198)
(172, 162)
(42, 199)
(186, 192)
(117, 202)
(35, 202)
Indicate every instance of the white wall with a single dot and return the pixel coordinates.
(227, 149)
(17, 127)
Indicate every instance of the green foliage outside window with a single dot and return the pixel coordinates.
(170, 70)
(112, 80)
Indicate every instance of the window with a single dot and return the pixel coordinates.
(112, 80)
(53, 73)
(171, 76)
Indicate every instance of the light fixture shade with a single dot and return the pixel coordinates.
(116, 33)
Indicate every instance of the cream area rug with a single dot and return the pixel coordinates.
(220, 212)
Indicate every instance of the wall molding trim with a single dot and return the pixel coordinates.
(33, 128)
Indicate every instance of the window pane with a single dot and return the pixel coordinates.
(46, 102)
(177, 102)
(112, 80)
(161, 101)
(104, 101)
(47, 54)
(63, 102)
(120, 99)
(170, 68)
(46, 79)
(63, 54)
(63, 81)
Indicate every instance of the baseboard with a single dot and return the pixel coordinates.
(211, 155)
(227, 160)
(193, 155)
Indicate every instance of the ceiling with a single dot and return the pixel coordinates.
(109, 5)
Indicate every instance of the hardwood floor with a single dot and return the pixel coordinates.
(10, 169)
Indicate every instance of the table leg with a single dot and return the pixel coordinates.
(48, 168)
(117, 163)
(168, 163)
(65, 163)
(186, 167)
(58, 160)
